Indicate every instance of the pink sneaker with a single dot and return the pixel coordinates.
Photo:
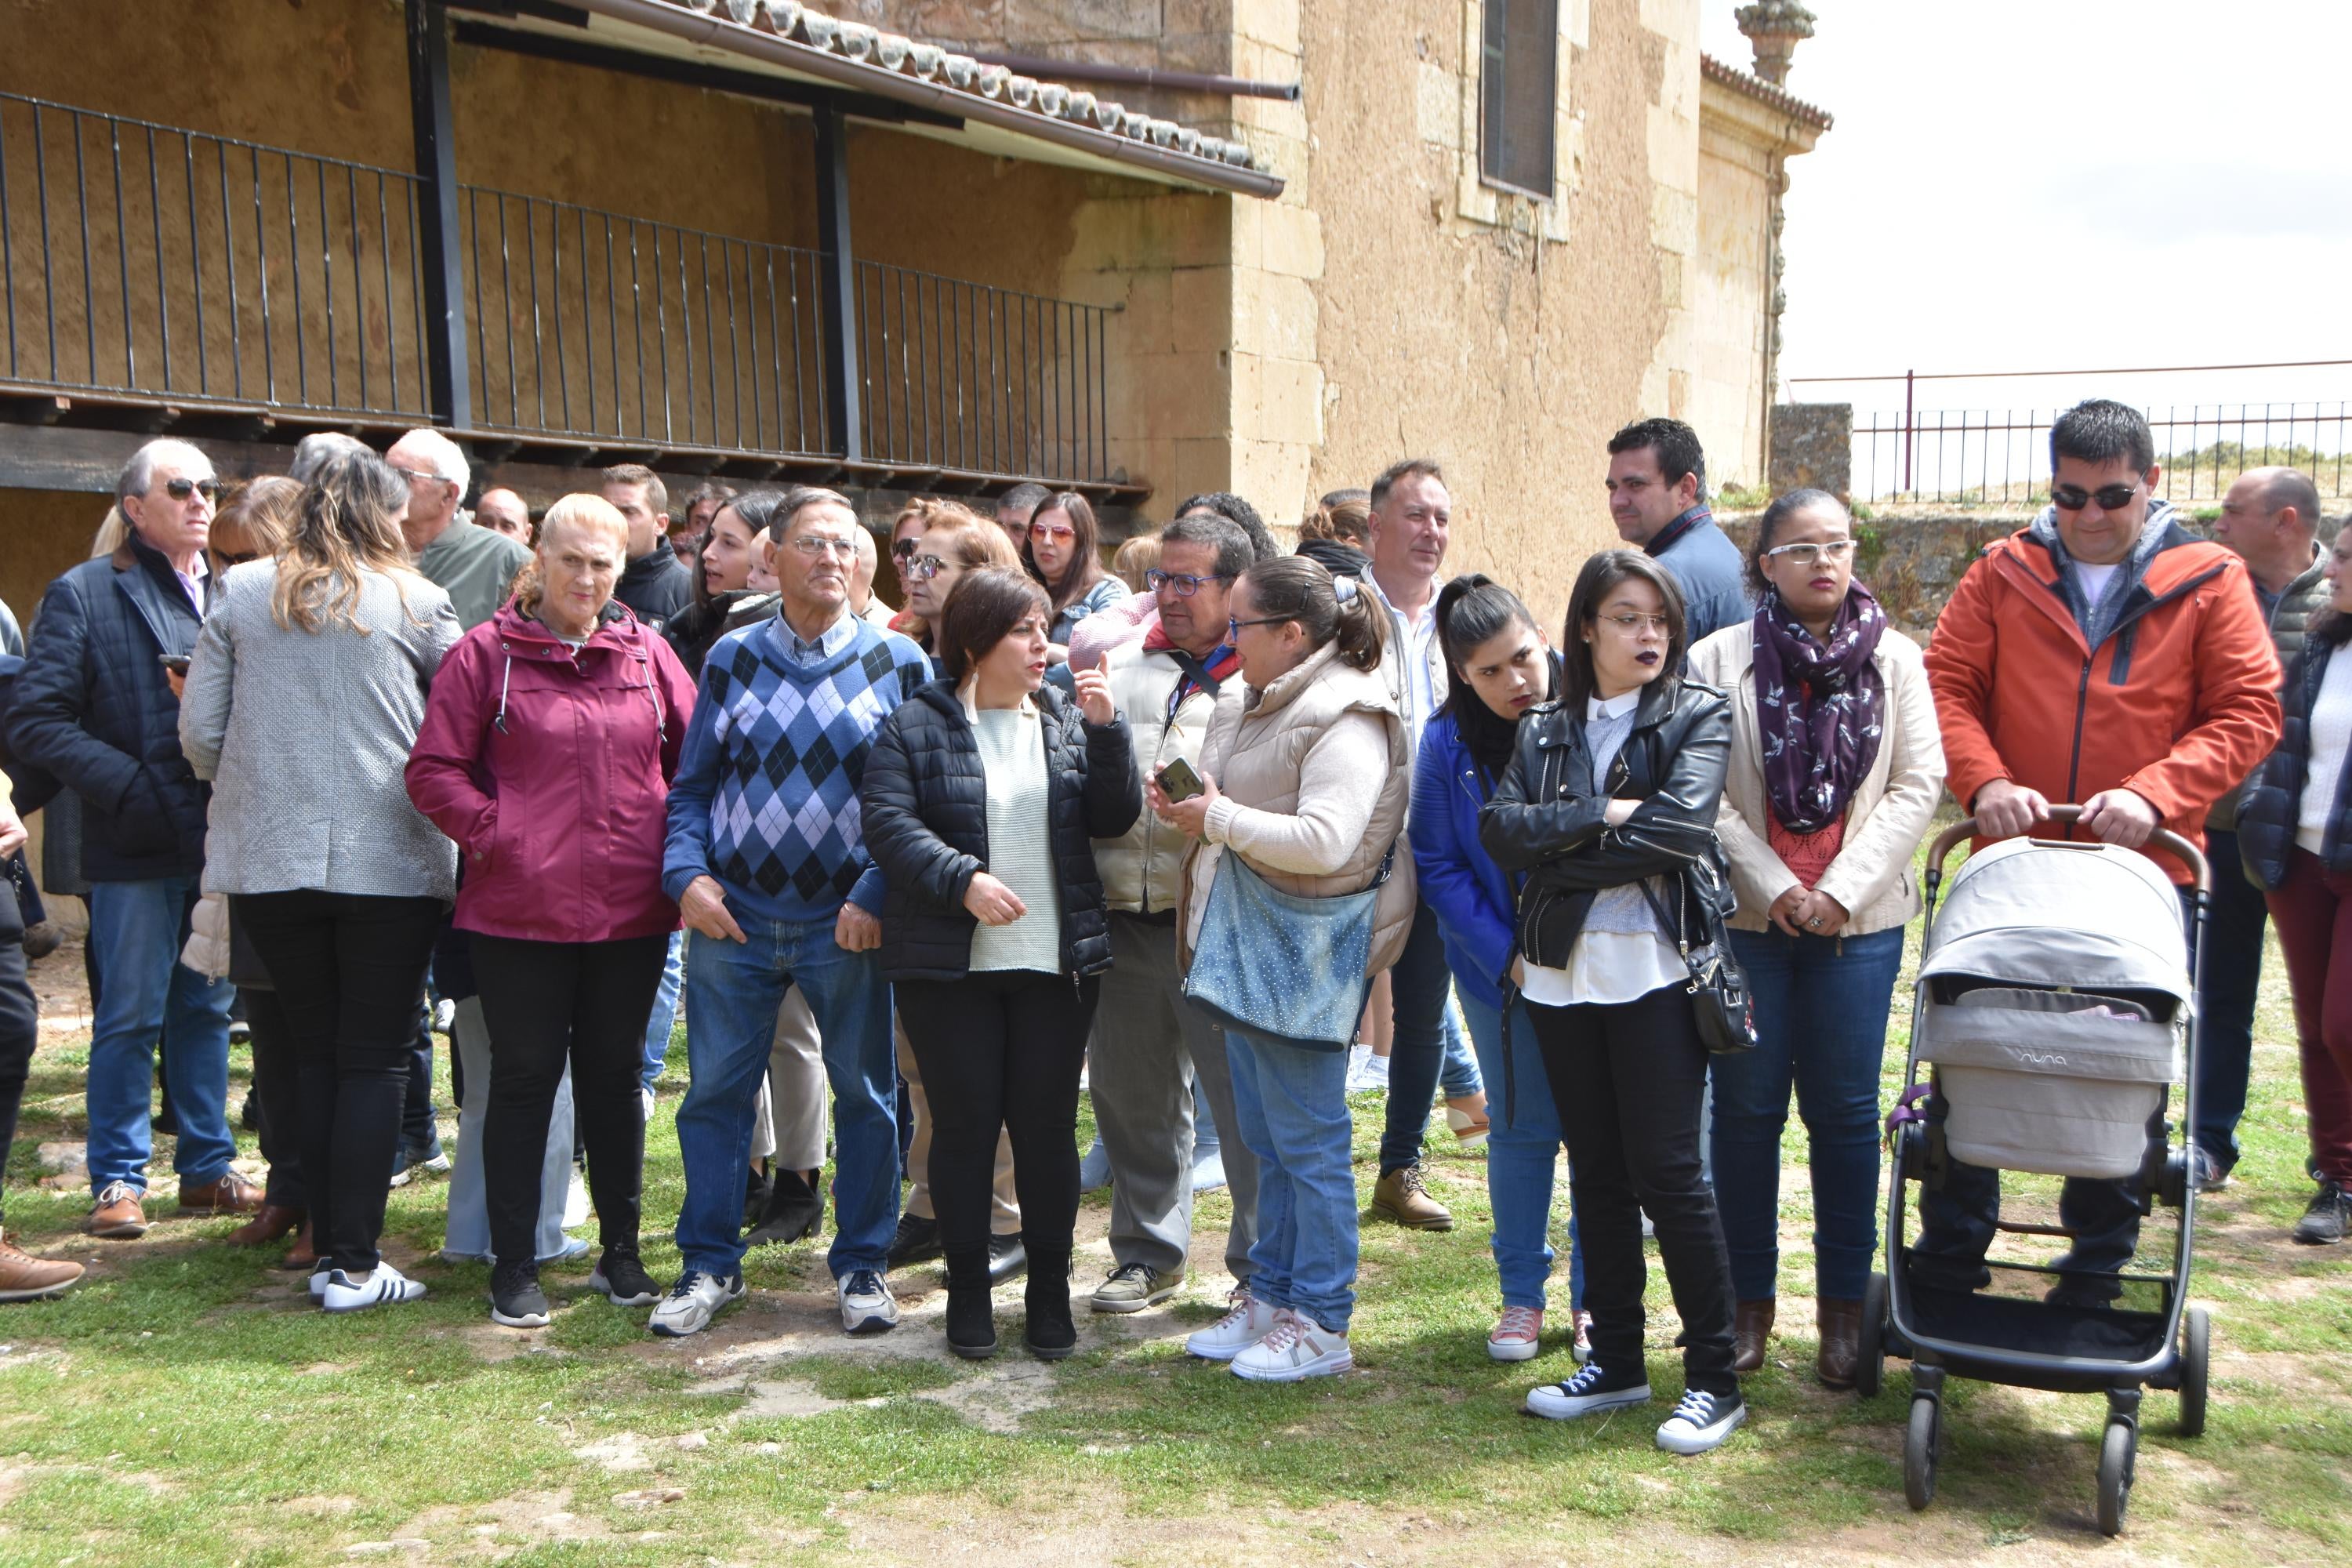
(1518, 1337)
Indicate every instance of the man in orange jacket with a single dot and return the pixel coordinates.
(2103, 655)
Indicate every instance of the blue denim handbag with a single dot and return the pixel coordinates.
(1280, 965)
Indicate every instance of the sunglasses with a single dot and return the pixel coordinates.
(904, 550)
(923, 568)
(180, 489)
(1043, 531)
(227, 560)
(1184, 582)
(2111, 498)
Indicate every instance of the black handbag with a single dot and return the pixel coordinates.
(1721, 1002)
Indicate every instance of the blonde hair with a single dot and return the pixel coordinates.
(111, 534)
(345, 530)
(578, 511)
(1134, 558)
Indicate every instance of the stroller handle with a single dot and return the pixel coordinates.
(2172, 843)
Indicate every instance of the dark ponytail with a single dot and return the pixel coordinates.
(1294, 588)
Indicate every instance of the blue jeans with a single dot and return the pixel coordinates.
(2225, 1004)
(665, 1014)
(1428, 1046)
(1821, 1029)
(732, 992)
(1522, 1154)
(140, 928)
(1292, 1107)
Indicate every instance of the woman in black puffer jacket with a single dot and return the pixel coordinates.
(981, 794)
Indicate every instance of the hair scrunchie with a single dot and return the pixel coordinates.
(1343, 589)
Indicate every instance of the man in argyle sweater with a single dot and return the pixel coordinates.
(766, 856)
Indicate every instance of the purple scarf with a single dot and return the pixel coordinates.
(1821, 708)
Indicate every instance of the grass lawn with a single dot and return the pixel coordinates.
(185, 1407)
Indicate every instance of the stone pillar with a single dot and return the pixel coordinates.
(1812, 448)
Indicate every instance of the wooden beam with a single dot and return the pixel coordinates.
(448, 376)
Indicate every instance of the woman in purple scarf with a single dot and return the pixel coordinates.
(1836, 767)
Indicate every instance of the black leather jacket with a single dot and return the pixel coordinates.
(1546, 825)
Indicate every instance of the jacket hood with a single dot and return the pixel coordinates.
(1363, 687)
(2158, 530)
(528, 635)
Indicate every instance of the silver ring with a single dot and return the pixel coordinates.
(1815, 922)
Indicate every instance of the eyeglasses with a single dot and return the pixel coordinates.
(1042, 531)
(904, 550)
(1185, 583)
(923, 568)
(1234, 629)
(815, 544)
(419, 476)
(1811, 554)
(229, 560)
(180, 489)
(1633, 624)
(2111, 498)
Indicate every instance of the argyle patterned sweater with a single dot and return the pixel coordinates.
(766, 794)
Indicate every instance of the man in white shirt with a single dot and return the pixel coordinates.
(1413, 514)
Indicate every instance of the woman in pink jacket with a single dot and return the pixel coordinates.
(547, 750)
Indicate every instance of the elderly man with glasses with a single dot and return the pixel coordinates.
(476, 566)
(2102, 656)
(98, 705)
(1152, 1052)
(767, 859)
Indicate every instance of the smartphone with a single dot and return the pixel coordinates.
(1178, 781)
(177, 663)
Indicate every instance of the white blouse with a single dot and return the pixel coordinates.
(2330, 734)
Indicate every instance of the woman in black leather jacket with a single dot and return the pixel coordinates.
(980, 795)
(1610, 796)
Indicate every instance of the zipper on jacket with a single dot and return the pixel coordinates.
(2081, 707)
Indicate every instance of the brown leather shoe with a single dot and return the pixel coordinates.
(25, 1278)
(117, 1215)
(272, 1221)
(304, 1254)
(1840, 1326)
(1401, 1196)
(231, 1193)
(1751, 1325)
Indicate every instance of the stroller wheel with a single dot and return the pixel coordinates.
(2196, 1359)
(1920, 1445)
(1869, 1347)
(2117, 1451)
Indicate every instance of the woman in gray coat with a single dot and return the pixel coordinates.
(303, 697)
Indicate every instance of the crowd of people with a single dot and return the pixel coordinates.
(1182, 826)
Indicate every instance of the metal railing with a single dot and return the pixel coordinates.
(965, 376)
(2000, 457)
(145, 263)
(148, 261)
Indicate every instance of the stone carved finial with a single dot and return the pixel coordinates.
(1774, 28)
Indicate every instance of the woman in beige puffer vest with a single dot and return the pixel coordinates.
(1305, 776)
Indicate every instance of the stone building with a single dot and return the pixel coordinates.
(1145, 248)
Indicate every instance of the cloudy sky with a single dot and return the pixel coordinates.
(2053, 184)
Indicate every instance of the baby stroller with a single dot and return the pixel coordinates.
(2054, 1012)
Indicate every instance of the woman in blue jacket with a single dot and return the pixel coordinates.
(1499, 667)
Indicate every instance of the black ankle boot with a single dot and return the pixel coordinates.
(1050, 1333)
(971, 1325)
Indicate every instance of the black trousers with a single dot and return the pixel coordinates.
(1627, 1080)
(20, 1031)
(1002, 1048)
(544, 1004)
(277, 1096)
(348, 967)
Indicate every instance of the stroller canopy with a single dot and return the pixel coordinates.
(2090, 917)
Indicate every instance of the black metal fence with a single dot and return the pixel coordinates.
(2001, 456)
(146, 263)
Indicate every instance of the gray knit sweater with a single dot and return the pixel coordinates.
(306, 735)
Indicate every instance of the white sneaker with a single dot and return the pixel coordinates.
(1250, 1320)
(1702, 1421)
(1583, 1395)
(866, 1305)
(341, 1293)
(693, 1302)
(318, 1280)
(1298, 1348)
